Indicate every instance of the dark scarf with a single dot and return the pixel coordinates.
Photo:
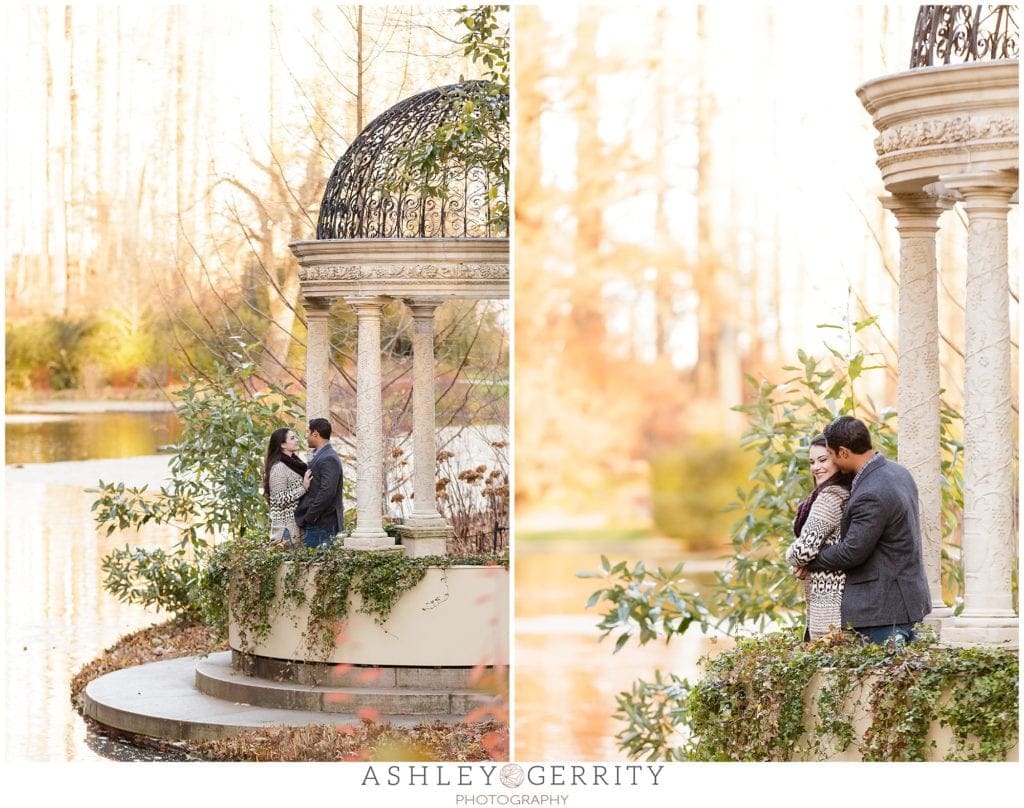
(294, 463)
(803, 510)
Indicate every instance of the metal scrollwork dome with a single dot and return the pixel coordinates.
(373, 193)
(955, 34)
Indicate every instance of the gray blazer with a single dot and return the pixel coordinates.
(322, 504)
(880, 550)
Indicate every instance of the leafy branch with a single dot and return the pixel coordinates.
(647, 603)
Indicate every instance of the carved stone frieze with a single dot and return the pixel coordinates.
(399, 271)
(945, 131)
(952, 155)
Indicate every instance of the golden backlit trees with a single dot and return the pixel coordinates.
(695, 193)
(158, 161)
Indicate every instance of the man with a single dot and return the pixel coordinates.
(886, 589)
(319, 512)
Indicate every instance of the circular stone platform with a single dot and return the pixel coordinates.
(163, 700)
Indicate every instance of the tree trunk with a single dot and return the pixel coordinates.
(99, 260)
(55, 227)
(280, 306)
(72, 205)
(360, 99)
(708, 309)
(588, 311)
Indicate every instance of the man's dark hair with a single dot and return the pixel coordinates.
(849, 432)
(322, 427)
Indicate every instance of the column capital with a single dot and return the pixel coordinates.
(367, 305)
(423, 306)
(917, 211)
(984, 192)
(317, 305)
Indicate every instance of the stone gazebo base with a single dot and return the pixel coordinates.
(441, 656)
(443, 652)
(456, 617)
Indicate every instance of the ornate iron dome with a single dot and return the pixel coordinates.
(371, 193)
(955, 34)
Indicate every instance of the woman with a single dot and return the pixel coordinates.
(283, 474)
(817, 525)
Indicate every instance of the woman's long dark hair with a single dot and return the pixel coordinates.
(843, 478)
(274, 454)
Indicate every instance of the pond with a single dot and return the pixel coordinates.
(48, 437)
(566, 681)
(57, 616)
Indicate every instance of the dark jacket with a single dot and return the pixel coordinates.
(321, 505)
(880, 550)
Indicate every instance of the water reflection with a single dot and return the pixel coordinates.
(46, 438)
(57, 616)
(566, 681)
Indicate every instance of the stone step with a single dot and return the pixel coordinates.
(375, 692)
(160, 699)
(341, 675)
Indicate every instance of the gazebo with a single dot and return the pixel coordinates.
(388, 232)
(948, 134)
(385, 233)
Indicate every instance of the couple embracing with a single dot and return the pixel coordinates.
(858, 540)
(305, 500)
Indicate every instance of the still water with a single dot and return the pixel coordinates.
(565, 680)
(57, 616)
(53, 437)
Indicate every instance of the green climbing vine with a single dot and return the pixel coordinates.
(242, 579)
(758, 701)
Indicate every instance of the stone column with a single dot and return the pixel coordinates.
(425, 531)
(917, 216)
(988, 540)
(369, 533)
(318, 402)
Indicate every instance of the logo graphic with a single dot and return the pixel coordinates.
(511, 775)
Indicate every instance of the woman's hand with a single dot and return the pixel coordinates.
(307, 478)
(800, 572)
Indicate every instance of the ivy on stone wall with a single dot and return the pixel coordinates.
(241, 580)
(755, 703)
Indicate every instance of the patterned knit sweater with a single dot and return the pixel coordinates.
(823, 590)
(285, 491)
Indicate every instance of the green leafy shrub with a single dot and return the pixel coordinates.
(214, 491)
(692, 486)
(649, 603)
(46, 354)
(122, 344)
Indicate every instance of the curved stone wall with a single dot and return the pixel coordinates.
(455, 617)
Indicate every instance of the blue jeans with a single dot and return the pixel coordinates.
(902, 633)
(317, 536)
